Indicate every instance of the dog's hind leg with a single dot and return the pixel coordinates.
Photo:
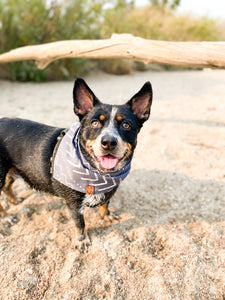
(2, 210)
(7, 188)
(3, 173)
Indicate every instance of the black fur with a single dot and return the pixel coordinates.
(27, 146)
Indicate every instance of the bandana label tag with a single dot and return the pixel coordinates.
(90, 190)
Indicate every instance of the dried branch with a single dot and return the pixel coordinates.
(185, 54)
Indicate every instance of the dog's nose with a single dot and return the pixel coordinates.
(109, 142)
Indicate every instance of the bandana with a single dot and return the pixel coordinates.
(73, 170)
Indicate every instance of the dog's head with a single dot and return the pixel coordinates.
(108, 134)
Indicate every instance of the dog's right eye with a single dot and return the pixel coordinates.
(95, 124)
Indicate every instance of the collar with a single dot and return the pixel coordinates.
(73, 170)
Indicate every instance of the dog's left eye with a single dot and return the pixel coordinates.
(126, 125)
(95, 123)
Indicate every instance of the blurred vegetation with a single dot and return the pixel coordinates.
(165, 3)
(29, 22)
(160, 23)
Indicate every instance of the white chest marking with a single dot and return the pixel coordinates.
(92, 200)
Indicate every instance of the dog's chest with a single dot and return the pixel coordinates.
(92, 200)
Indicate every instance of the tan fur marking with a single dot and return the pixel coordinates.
(119, 118)
(7, 189)
(2, 210)
(101, 117)
(129, 150)
(89, 145)
(103, 210)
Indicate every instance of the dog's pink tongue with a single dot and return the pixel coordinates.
(108, 161)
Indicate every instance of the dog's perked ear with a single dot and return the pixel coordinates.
(83, 98)
(141, 102)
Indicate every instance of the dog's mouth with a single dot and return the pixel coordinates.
(108, 162)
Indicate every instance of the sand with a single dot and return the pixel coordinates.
(170, 240)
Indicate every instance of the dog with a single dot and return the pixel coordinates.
(84, 164)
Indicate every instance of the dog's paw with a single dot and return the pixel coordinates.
(82, 243)
(110, 218)
(3, 212)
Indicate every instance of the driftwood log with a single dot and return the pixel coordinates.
(184, 54)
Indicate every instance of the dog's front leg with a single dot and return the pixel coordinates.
(107, 215)
(81, 239)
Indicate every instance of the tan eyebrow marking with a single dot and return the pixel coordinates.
(101, 117)
(119, 118)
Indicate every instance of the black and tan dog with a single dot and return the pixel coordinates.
(85, 164)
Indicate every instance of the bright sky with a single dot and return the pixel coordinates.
(211, 8)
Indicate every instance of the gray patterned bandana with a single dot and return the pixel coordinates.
(73, 170)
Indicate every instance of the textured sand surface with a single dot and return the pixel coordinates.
(170, 240)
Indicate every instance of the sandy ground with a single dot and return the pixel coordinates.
(170, 241)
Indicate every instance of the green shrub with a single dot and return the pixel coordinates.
(116, 66)
(30, 22)
(159, 23)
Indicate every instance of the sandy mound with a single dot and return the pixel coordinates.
(170, 240)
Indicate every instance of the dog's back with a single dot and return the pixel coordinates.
(27, 146)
